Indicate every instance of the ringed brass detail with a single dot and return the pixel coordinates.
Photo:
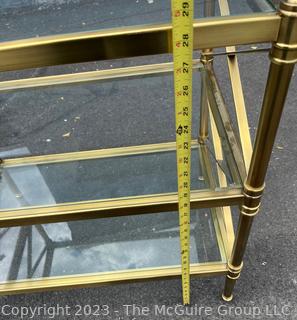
(284, 50)
(249, 211)
(288, 8)
(235, 269)
(233, 274)
(253, 192)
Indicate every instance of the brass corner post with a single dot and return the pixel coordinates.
(206, 58)
(283, 58)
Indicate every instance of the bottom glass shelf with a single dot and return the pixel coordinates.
(104, 250)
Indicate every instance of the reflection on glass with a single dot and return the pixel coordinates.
(84, 116)
(94, 246)
(91, 123)
(64, 16)
(96, 179)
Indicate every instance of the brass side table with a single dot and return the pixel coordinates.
(76, 218)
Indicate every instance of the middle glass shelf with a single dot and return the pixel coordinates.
(41, 188)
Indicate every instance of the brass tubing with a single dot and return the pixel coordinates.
(206, 57)
(115, 74)
(204, 111)
(283, 57)
(248, 210)
(134, 41)
(106, 278)
(117, 207)
(238, 98)
(244, 224)
(277, 86)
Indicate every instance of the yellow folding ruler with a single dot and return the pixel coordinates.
(182, 34)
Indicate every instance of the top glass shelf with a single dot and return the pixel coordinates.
(27, 18)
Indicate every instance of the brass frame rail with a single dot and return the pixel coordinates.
(105, 278)
(123, 42)
(84, 77)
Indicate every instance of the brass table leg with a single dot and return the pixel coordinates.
(283, 58)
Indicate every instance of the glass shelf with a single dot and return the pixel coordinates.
(45, 184)
(86, 114)
(26, 19)
(95, 179)
(146, 242)
(152, 172)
